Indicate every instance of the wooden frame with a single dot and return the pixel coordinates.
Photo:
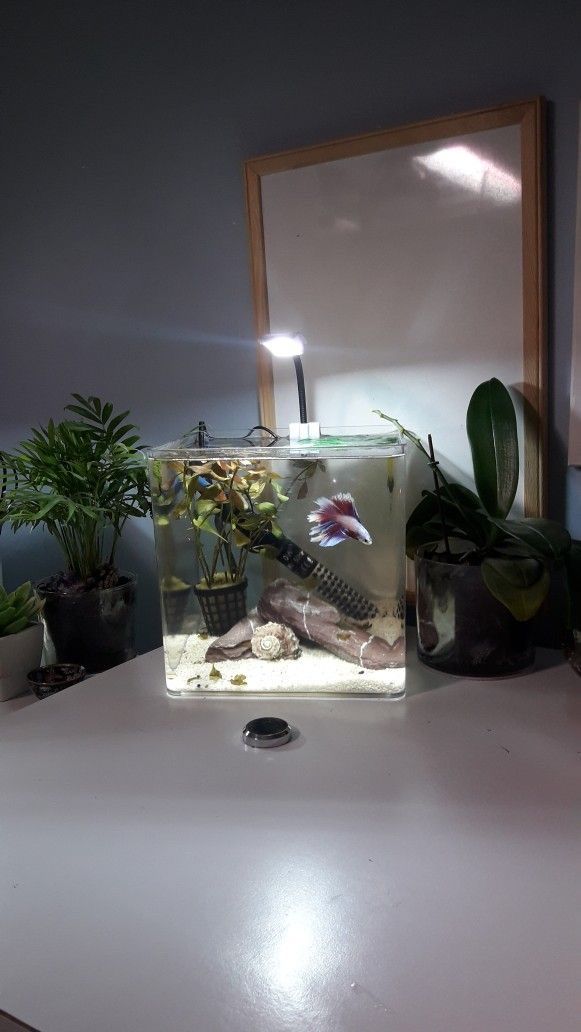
(575, 404)
(529, 115)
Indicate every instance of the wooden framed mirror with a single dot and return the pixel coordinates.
(413, 262)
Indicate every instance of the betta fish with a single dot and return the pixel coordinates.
(336, 519)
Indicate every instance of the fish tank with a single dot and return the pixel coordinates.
(281, 563)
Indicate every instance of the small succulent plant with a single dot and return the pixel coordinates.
(18, 609)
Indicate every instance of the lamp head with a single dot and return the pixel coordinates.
(284, 345)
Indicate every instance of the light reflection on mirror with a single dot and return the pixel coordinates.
(465, 168)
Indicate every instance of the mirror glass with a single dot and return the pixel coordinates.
(403, 268)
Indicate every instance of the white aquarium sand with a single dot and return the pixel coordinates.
(314, 672)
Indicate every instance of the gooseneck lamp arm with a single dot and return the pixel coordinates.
(301, 389)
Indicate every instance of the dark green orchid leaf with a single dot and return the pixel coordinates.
(492, 432)
(463, 515)
(429, 533)
(462, 497)
(542, 537)
(424, 510)
(520, 584)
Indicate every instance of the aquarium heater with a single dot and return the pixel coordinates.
(328, 585)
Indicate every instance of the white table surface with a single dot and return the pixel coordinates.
(407, 866)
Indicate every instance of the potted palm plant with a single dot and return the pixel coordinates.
(21, 635)
(481, 577)
(82, 479)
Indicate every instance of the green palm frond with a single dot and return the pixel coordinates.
(81, 478)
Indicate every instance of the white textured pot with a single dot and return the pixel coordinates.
(19, 653)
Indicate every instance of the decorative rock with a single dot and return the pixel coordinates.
(235, 644)
(295, 607)
(317, 621)
(274, 641)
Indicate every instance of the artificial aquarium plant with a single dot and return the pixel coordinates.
(82, 478)
(233, 508)
(514, 555)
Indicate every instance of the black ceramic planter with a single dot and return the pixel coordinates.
(94, 628)
(48, 680)
(462, 628)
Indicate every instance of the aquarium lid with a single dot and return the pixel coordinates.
(346, 442)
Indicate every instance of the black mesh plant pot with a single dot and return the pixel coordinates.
(95, 628)
(462, 628)
(175, 603)
(222, 606)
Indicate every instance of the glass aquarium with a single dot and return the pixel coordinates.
(281, 564)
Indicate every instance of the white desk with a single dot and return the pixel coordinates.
(403, 866)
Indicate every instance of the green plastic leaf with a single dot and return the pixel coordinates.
(207, 528)
(205, 507)
(238, 679)
(520, 584)
(492, 432)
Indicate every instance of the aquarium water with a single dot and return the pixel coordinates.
(282, 564)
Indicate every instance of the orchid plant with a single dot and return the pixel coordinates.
(515, 555)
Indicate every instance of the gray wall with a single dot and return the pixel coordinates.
(124, 251)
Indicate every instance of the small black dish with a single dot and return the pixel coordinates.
(266, 732)
(48, 680)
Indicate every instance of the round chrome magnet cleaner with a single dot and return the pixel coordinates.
(266, 733)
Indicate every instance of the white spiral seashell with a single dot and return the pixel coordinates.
(268, 647)
(274, 641)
